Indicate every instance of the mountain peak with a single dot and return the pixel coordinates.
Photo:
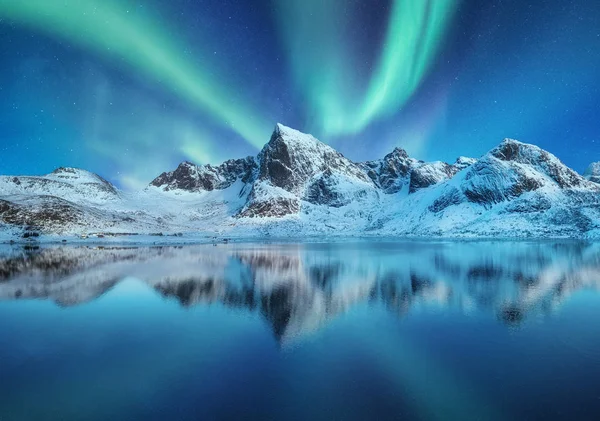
(397, 152)
(60, 170)
(281, 128)
(592, 172)
(71, 174)
(191, 177)
(290, 136)
(292, 157)
(512, 151)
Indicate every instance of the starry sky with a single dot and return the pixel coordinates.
(128, 89)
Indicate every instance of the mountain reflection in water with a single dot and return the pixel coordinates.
(298, 288)
(358, 330)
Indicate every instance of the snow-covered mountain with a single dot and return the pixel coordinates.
(294, 168)
(299, 186)
(67, 183)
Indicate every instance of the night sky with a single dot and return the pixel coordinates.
(128, 89)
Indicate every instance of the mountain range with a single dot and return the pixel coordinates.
(298, 186)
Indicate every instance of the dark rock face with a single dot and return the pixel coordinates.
(392, 172)
(274, 207)
(396, 166)
(46, 212)
(428, 174)
(276, 163)
(449, 198)
(191, 177)
(507, 151)
(322, 191)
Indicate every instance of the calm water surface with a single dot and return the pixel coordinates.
(342, 331)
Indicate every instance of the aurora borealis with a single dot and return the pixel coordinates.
(105, 27)
(128, 88)
(414, 31)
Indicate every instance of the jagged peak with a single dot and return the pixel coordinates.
(293, 136)
(188, 165)
(397, 152)
(193, 177)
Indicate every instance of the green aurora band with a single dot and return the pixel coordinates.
(143, 43)
(316, 38)
(316, 34)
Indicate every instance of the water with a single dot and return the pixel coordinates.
(363, 330)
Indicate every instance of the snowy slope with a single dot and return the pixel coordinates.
(70, 184)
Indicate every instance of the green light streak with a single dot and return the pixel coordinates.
(316, 39)
(110, 29)
(317, 34)
(414, 34)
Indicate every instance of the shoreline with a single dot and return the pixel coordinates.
(143, 240)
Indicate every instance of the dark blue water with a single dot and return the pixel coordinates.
(343, 331)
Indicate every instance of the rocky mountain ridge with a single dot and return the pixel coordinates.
(300, 186)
